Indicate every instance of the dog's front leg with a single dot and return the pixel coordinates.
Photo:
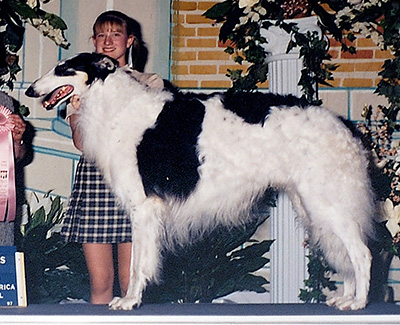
(145, 263)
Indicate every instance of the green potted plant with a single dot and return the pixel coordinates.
(219, 263)
(55, 270)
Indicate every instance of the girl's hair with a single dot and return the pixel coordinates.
(138, 49)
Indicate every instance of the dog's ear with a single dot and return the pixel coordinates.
(104, 66)
(107, 63)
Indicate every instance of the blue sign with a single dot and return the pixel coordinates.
(10, 277)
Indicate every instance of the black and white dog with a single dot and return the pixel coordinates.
(182, 163)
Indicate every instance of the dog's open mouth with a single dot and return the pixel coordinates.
(56, 96)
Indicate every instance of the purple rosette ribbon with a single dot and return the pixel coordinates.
(7, 171)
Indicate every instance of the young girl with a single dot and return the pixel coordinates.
(93, 217)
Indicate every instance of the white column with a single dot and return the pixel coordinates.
(288, 261)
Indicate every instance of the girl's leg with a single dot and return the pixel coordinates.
(99, 260)
(124, 264)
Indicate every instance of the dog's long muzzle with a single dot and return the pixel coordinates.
(54, 98)
(30, 92)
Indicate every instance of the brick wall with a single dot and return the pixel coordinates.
(360, 69)
(199, 61)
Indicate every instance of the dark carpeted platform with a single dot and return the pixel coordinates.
(200, 314)
(202, 309)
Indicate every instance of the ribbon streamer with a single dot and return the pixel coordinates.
(7, 171)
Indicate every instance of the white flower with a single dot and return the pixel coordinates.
(24, 217)
(55, 229)
(63, 268)
(343, 15)
(381, 163)
(38, 21)
(254, 16)
(247, 10)
(261, 10)
(48, 30)
(57, 36)
(243, 20)
(392, 215)
(247, 3)
(370, 30)
(32, 3)
(35, 203)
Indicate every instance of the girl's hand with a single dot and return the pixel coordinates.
(73, 118)
(17, 132)
(75, 101)
(18, 129)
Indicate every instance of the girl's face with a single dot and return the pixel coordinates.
(112, 40)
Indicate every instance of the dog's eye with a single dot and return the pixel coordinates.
(63, 70)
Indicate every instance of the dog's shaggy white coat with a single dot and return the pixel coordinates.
(308, 153)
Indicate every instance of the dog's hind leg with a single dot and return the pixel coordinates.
(346, 252)
(335, 250)
(349, 291)
(146, 242)
(356, 282)
(340, 224)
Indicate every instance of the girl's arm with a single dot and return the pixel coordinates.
(17, 134)
(72, 119)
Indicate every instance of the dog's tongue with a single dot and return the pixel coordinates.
(56, 96)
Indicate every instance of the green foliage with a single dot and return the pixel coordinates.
(341, 19)
(319, 279)
(13, 16)
(55, 270)
(314, 72)
(378, 130)
(213, 267)
(246, 42)
(216, 265)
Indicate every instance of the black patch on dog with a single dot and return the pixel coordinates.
(95, 65)
(167, 155)
(254, 107)
(167, 158)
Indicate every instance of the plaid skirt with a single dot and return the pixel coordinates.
(93, 215)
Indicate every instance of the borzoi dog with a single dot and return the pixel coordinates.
(182, 163)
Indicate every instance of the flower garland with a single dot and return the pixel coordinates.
(48, 24)
(358, 18)
(13, 16)
(242, 20)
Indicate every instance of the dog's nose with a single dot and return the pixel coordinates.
(30, 92)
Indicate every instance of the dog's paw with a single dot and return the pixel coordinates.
(334, 300)
(125, 303)
(352, 304)
(347, 303)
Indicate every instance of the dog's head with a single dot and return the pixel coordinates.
(71, 77)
